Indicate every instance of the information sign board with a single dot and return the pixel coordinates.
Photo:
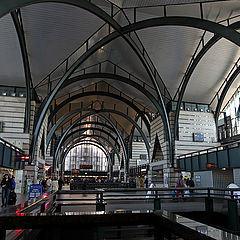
(35, 190)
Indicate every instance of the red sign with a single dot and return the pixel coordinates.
(86, 166)
(22, 158)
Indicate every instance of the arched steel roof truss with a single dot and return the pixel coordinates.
(84, 94)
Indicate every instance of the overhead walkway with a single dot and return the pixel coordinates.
(224, 156)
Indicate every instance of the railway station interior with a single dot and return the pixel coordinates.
(120, 119)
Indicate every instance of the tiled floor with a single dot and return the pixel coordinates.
(11, 208)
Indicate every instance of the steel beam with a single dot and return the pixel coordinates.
(27, 72)
(93, 129)
(79, 120)
(100, 93)
(221, 30)
(87, 5)
(97, 137)
(131, 137)
(191, 69)
(99, 112)
(63, 118)
(105, 139)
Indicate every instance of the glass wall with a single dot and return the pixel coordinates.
(86, 157)
(231, 115)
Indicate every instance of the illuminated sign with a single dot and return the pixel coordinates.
(75, 171)
(210, 165)
(22, 158)
(86, 166)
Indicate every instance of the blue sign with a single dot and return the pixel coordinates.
(35, 190)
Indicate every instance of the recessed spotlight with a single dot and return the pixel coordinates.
(4, 93)
(13, 94)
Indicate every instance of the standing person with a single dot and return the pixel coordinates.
(60, 183)
(6, 188)
(180, 184)
(146, 182)
(55, 185)
(44, 184)
(191, 184)
(49, 184)
(13, 183)
(12, 196)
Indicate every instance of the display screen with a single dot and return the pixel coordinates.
(85, 166)
(198, 137)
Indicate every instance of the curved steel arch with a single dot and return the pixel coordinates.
(93, 129)
(76, 142)
(87, 5)
(27, 72)
(131, 137)
(216, 28)
(83, 136)
(224, 92)
(97, 129)
(62, 119)
(105, 139)
(78, 120)
(88, 143)
(190, 71)
(99, 112)
(100, 124)
(101, 93)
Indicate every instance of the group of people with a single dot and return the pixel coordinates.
(8, 186)
(50, 185)
(181, 183)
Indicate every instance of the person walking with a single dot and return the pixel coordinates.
(55, 185)
(49, 184)
(180, 184)
(60, 183)
(6, 185)
(13, 183)
(12, 196)
(191, 185)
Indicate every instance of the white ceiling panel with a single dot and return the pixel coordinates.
(212, 71)
(53, 31)
(11, 70)
(170, 49)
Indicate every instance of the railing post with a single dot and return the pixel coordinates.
(2, 234)
(42, 209)
(157, 202)
(233, 220)
(100, 206)
(208, 202)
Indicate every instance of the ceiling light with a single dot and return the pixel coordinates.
(4, 93)
(13, 94)
(201, 110)
(21, 95)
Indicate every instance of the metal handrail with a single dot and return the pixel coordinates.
(11, 145)
(213, 149)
